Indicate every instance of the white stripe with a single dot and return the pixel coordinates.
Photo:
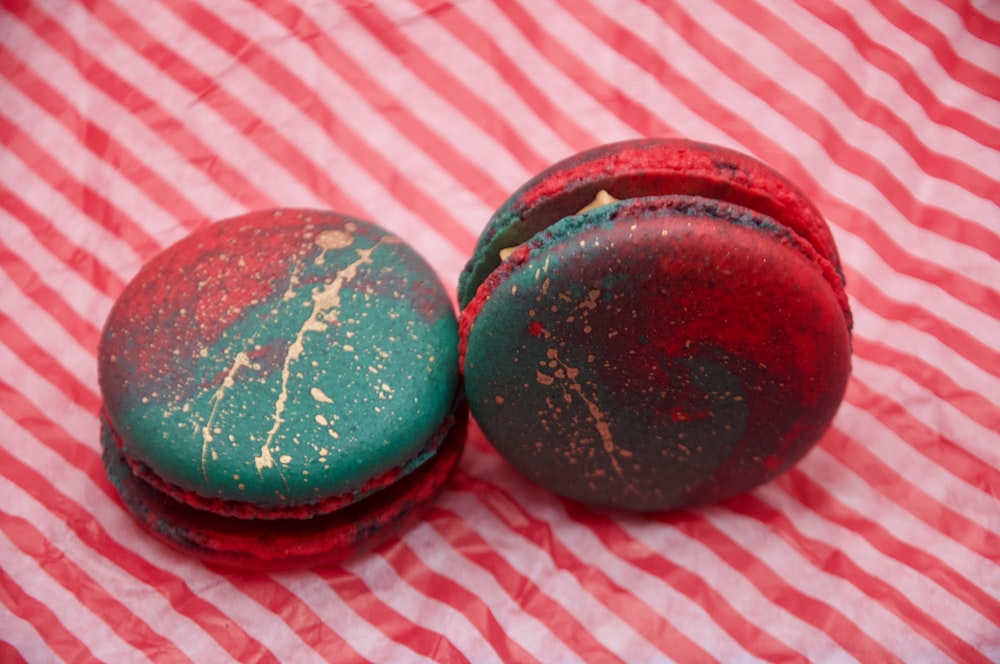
(420, 100)
(988, 8)
(143, 144)
(865, 260)
(937, 414)
(50, 335)
(89, 170)
(852, 189)
(151, 608)
(90, 629)
(937, 602)
(424, 611)
(880, 31)
(887, 89)
(562, 90)
(337, 612)
(930, 478)
(912, 341)
(298, 130)
(24, 637)
(686, 614)
(223, 592)
(91, 237)
(943, 19)
(479, 77)
(867, 613)
(520, 626)
(364, 119)
(859, 495)
(188, 109)
(559, 585)
(82, 297)
(823, 99)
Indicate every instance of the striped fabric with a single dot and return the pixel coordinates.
(125, 125)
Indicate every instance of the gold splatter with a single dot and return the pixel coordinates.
(319, 395)
(285, 459)
(326, 303)
(331, 240)
(322, 421)
(241, 360)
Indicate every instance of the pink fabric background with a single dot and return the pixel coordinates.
(127, 124)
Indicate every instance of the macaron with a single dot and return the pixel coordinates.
(281, 389)
(655, 324)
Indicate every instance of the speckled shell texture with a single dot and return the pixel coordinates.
(672, 349)
(280, 361)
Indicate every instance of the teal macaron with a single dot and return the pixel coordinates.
(280, 366)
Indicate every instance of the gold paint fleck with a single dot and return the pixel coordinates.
(285, 459)
(241, 360)
(569, 373)
(331, 240)
(326, 303)
(319, 395)
(322, 421)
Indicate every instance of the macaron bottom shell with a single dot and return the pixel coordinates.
(657, 353)
(266, 545)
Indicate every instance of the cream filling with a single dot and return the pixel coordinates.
(600, 200)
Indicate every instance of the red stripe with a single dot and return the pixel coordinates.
(973, 404)
(953, 335)
(147, 110)
(814, 497)
(803, 116)
(482, 43)
(558, 619)
(409, 566)
(76, 259)
(387, 620)
(977, 23)
(215, 624)
(836, 562)
(234, 110)
(892, 63)
(960, 69)
(854, 220)
(53, 303)
(99, 142)
(90, 202)
(645, 619)
(773, 585)
(287, 84)
(459, 97)
(44, 364)
(814, 59)
(119, 618)
(607, 93)
(947, 454)
(8, 653)
(63, 642)
(297, 614)
(888, 481)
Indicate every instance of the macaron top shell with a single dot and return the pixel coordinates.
(636, 168)
(279, 359)
(657, 352)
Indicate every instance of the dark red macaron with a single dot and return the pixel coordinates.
(281, 389)
(682, 341)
